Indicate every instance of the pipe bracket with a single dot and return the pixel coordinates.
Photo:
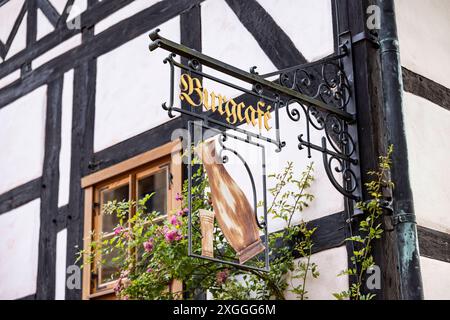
(403, 218)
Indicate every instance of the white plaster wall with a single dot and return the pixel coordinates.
(309, 24)
(78, 7)
(329, 264)
(427, 128)
(44, 26)
(126, 12)
(19, 42)
(240, 49)
(423, 33)
(8, 15)
(436, 280)
(226, 39)
(22, 134)
(132, 83)
(61, 250)
(66, 140)
(57, 51)
(19, 251)
(10, 78)
(59, 5)
(327, 199)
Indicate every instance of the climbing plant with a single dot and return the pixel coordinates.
(370, 229)
(150, 254)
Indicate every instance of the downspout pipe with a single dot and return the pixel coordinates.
(408, 262)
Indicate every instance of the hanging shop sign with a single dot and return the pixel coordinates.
(317, 93)
(196, 96)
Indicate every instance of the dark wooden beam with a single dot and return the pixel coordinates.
(83, 117)
(434, 244)
(66, 12)
(191, 28)
(341, 24)
(20, 195)
(74, 218)
(191, 36)
(351, 16)
(136, 145)
(330, 233)
(49, 194)
(14, 30)
(2, 50)
(102, 43)
(88, 18)
(31, 22)
(426, 88)
(49, 11)
(2, 2)
(61, 220)
(29, 297)
(275, 43)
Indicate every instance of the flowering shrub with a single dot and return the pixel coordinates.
(151, 253)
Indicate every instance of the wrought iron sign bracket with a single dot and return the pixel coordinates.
(318, 93)
(197, 58)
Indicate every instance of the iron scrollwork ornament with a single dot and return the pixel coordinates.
(326, 81)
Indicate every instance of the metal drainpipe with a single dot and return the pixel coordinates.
(403, 206)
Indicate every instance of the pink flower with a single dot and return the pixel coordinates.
(118, 230)
(174, 220)
(222, 276)
(178, 197)
(118, 287)
(172, 235)
(148, 245)
(149, 270)
(183, 213)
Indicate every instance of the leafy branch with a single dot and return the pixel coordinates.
(370, 229)
(150, 253)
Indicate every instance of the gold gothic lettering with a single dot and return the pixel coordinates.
(195, 95)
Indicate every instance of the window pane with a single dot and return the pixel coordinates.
(110, 221)
(157, 184)
(109, 270)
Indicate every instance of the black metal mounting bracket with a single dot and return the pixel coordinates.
(366, 36)
(403, 218)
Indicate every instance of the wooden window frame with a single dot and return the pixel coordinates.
(168, 155)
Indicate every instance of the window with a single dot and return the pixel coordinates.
(157, 171)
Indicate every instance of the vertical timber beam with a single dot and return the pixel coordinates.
(340, 27)
(404, 224)
(31, 33)
(351, 16)
(45, 289)
(31, 22)
(191, 36)
(83, 119)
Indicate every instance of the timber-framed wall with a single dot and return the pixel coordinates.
(333, 228)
